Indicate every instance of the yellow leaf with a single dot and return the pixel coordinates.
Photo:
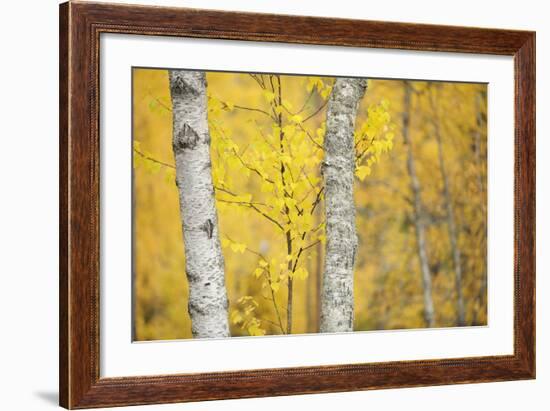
(233, 162)
(255, 329)
(258, 272)
(326, 92)
(289, 130)
(238, 247)
(290, 202)
(307, 221)
(301, 273)
(285, 158)
(321, 131)
(315, 82)
(245, 298)
(280, 203)
(296, 119)
(362, 172)
(244, 198)
(269, 96)
(236, 317)
(266, 187)
(170, 177)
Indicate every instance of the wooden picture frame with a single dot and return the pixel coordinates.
(80, 27)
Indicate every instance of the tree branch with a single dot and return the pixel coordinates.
(322, 106)
(253, 207)
(154, 160)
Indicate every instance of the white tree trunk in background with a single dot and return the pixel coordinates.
(451, 224)
(481, 124)
(203, 255)
(338, 172)
(429, 312)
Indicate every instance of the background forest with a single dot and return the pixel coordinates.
(420, 196)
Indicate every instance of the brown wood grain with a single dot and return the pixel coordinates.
(80, 27)
(63, 206)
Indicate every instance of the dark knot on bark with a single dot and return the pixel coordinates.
(186, 138)
(208, 228)
(181, 87)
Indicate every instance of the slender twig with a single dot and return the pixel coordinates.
(309, 181)
(306, 196)
(253, 207)
(160, 102)
(267, 275)
(154, 160)
(359, 157)
(310, 136)
(263, 136)
(225, 190)
(261, 82)
(317, 200)
(305, 102)
(250, 250)
(267, 216)
(245, 203)
(322, 106)
(321, 223)
(307, 247)
(286, 209)
(271, 322)
(259, 110)
(248, 166)
(256, 253)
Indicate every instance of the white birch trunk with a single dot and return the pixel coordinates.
(482, 294)
(451, 224)
(429, 311)
(338, 172)
(203, 255)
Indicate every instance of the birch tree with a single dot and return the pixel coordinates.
(338, 170)
(208, 302)
(479, 135)
(450, 216)
(420, 229)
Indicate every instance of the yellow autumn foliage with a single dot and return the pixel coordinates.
(266, 149)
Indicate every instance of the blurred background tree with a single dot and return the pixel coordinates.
(267, 136)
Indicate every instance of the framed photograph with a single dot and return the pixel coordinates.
(260, 205)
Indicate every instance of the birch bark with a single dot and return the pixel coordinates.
(338, 170)
(451, 224)
(420, 230)
(203, 256)
(481, 176)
